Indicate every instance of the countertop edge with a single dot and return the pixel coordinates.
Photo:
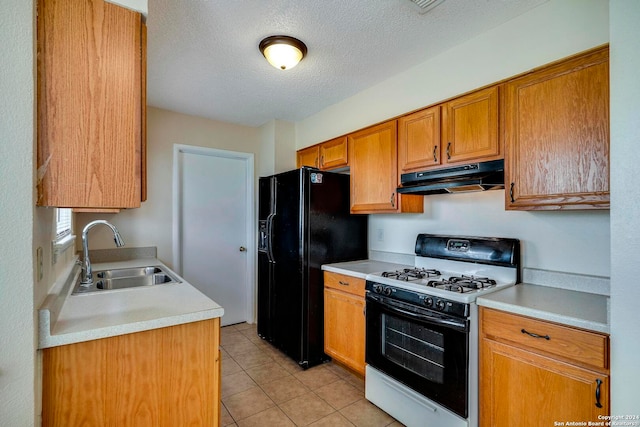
(493, 301)
(127, 328)
(343, 271)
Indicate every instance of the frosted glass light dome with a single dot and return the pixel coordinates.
(283, 52)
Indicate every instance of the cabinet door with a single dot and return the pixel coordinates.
(89, 105)
(524, 389)
(308, 157)
(470, 128)
(160, 377)
(557, 136)
(344, 328)
(333, 154)
(419, 140)
(373, 163)
(374, 175)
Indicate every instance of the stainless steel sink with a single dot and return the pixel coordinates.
(123, 278)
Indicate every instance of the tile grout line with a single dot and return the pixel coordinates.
(347, 377)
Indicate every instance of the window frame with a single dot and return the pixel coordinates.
(64, 238)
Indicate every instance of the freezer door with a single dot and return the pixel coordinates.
(265, 298)
(289, 289)
(266, 206)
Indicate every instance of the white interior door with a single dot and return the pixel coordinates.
(213, 226)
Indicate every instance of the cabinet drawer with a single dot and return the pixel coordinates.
(573, 345)
(350, 284)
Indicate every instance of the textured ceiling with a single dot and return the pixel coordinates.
(203, 56)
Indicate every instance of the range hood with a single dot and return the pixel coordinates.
(457, 179)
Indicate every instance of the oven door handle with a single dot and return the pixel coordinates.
(435, 319)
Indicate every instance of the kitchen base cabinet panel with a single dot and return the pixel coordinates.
(519, 388)
(344, 321)
(536, 373)
(344, 329)
(162, 377)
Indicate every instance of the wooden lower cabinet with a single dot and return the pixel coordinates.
(162, 377)
(344, 320)
(520, 385)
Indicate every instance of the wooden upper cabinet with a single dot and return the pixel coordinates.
(460, 131)
(470, 128)
(334, 153)
(308, 157)
(419, 140)
(329, 155)
(557, 135)
(90, 80)
(373, 162)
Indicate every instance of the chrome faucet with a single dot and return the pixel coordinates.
(87, 277)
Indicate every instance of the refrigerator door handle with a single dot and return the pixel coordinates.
(270, 237)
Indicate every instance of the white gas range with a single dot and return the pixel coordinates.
(422, 328)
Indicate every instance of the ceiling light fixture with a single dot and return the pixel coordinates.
(283, 52)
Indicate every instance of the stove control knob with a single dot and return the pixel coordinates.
(387, 291)
(428, 301)
(440, 304)
(377, 289)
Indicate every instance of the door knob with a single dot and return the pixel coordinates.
(243, 249)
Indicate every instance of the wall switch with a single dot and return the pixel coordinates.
(39, 263)
(380, 233)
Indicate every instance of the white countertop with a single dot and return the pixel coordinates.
(361, 268)
(569, 307)
(67, 319)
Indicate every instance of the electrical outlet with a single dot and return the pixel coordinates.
(39, 263)
(380, 232)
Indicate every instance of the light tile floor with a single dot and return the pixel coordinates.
(263, 387)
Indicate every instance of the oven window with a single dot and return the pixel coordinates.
(413, 347)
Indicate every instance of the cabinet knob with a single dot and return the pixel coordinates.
(243, 249)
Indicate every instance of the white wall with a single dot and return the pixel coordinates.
(137, 5)
(625, 206)
(567, 241)
(17, 325)
(277, 147)
(574, 242)
(151, 224)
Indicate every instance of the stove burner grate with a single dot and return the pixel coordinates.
(408, 274)
(462, 283)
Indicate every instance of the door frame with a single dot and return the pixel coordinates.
(248, 158)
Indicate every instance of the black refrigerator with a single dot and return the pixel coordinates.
(303, 222)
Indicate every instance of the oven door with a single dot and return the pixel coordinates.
(421, 348)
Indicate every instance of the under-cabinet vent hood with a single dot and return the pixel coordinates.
(471, 177)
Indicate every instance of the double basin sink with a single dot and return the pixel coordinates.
(123, 278)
